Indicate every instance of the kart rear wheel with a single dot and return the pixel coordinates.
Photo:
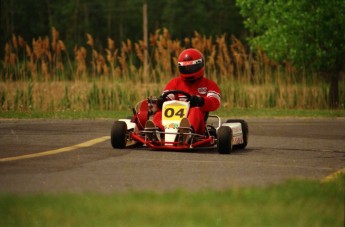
(245, 132)
(224, 141)
(118, 134)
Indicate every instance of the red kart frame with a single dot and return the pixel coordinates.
(132, 132)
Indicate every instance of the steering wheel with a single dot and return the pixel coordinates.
(175, 92)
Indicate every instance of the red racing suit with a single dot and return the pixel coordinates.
(203, 87)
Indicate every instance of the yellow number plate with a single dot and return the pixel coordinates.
(174, 112)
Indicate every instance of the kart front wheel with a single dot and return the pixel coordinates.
(118, 134)
(224, 140)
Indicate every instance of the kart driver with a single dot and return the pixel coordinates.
(205, 94)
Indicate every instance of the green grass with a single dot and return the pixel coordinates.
(93, 114)
(294, 203)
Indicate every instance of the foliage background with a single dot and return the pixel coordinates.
(84, 55)
(117, 19)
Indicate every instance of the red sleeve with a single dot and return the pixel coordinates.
(212, 99)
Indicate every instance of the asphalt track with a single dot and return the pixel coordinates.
(53, 156)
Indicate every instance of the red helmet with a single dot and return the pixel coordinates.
(191, 65)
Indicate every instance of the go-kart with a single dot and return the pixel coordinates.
(233, 134)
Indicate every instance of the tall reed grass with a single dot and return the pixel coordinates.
(44, 75)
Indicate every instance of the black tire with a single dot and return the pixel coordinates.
(245, 131)
(224, 140)
(118, 134)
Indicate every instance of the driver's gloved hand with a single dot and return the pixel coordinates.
(196, 101)
(160, 101)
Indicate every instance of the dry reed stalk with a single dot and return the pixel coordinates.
(7, 55)
(61, 48)
(202, 43)
(122, 59)
(44, 70)
(21, 41)
(209, 44)
(111, 44)
(13, 59)
(98, 62)
(266, 66)
(165, 52)
(46, 48)
(241, 59)
(37, 47)
(89, 40)
(223, 60)
(211, 64)
(153, 38)
(55, 37)
(197, 42)
(80, 56)
(111, 56)
(57, 48)
(94, 58)
(129, 46)
(139, 51)
(42, 57)
(14, 41)
(102, 68)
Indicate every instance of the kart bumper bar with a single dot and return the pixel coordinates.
(162, 145)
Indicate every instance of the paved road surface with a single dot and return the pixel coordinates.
(279, 149)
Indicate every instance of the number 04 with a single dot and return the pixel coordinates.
(170, 112)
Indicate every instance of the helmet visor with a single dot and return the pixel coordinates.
(189, 67)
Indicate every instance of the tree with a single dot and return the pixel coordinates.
(116, 19)
(208, 17)
(309, 34)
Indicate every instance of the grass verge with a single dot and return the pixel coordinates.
(294, 203)
(93, 114)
